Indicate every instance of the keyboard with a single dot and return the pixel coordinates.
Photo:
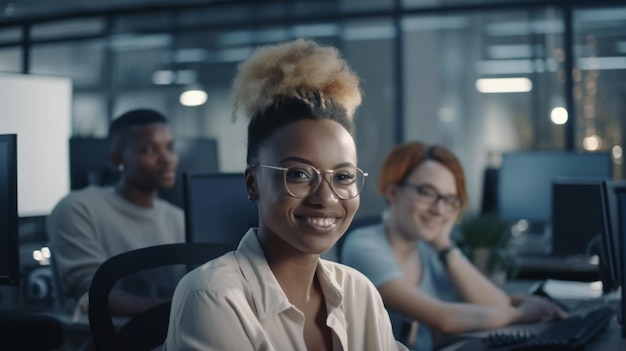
(572, 333)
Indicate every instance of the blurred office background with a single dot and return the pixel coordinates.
(481, 77)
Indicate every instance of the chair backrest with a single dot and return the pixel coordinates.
(146, 329)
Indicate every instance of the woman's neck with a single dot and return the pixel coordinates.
(402, 245)
(295, 272)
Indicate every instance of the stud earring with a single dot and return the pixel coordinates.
(120, 167)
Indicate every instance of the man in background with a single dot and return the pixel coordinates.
(90, 225)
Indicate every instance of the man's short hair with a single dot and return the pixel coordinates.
(119, 129)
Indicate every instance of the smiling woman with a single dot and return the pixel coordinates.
(427, 283)
(274, 292)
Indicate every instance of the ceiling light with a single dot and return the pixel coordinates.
(505, 67)
(190, 55)
(433, 23)
(504, 85)
(195, 97)
(369, 32)
(592, 143)
(130, 42)
(510, 51)
(315, 30)
(559, 115)
(601, 63)
(617, 152)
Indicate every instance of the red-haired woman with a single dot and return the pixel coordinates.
(425, 281)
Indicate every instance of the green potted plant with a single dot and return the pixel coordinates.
(486, 241)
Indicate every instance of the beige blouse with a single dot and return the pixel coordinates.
(235, 303)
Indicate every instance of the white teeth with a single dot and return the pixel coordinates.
(322, 222)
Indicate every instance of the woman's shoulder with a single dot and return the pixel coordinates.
(364, 243)
(345, 276)
(215, 276)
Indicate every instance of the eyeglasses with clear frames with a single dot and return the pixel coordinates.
(303, 180)
(432, 196)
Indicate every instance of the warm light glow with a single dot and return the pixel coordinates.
(37, 256)
(592, 143)
(558, 115)
(193, 97)
(504, 85)
(519, 227)
(617, 152)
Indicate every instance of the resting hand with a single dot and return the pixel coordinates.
(536, 308)
(442, 239)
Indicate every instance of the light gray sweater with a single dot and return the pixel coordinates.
(90, 225)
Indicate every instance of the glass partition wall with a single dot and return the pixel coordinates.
(479, 78)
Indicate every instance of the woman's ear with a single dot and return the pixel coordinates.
(391, 193)
(251, 187)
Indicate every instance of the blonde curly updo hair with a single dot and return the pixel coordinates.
(281, 84)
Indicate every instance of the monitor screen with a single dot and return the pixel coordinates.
(611, 237)
(576, 216)
(621, 193)
(9, 249)
(194, 155)
(217, 209)
(90, 165)
(525, 180)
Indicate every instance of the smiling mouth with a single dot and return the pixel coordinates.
(168, 174)
(321, 222)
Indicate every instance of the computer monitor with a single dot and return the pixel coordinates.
(90, 165)
(525, 180)
(194, 155)
(576, 216)
(611, 236)
(9, 247)
(217, 209)
(621, 199)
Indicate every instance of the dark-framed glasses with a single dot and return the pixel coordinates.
(302, 180)
(429, 194)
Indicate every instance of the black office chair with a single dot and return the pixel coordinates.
(147, 329)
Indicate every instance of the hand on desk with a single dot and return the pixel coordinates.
(536, 308)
